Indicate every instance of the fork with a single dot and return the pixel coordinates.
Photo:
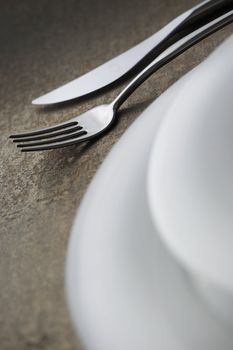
(98, 120)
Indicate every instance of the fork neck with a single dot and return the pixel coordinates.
(134, 84)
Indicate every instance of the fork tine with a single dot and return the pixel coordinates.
(49, 135)
(53, 140)
(57, 144)
(45, 130)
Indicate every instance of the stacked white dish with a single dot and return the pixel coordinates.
(133, 282)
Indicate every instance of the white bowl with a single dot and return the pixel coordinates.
(190, 181)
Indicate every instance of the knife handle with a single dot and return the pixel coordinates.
(172, 52)
(203, 14)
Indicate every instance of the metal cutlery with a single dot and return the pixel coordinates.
(98, 120)
(129, 63)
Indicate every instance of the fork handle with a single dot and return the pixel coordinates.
(199, 15)
(172, 52)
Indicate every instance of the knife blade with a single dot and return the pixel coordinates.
(136, 58)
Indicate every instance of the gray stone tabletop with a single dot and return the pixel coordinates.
(44, 44)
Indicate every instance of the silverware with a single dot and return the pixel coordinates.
(98, 120)
(129, 63)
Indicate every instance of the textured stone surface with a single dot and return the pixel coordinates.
(44, 44)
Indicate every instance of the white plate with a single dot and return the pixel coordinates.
(191, 172)
(125, 292)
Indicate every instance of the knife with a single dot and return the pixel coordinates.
(138, 57)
